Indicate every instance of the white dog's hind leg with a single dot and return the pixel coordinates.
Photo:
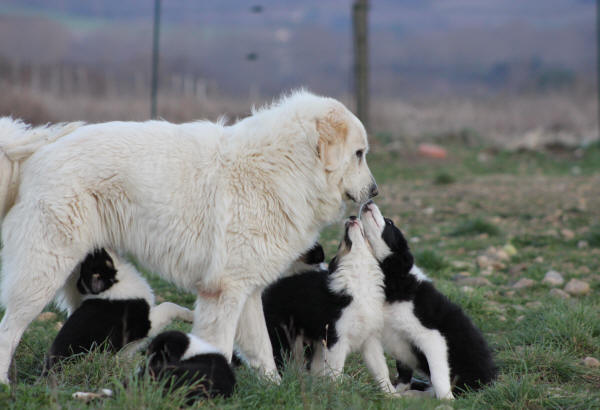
(216, 318)
(374, 357)
(26, 293)
(165, 313)
(253, 339)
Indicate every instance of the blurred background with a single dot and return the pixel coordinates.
(509, 72)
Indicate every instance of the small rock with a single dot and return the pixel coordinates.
(467, 289)
(518, 308)
(518, 268)
(567, 234)
(534, 305)
(591, 362)
(429, 210)
(539, 259)
(584, 270)
(519, 318)
(553, 278)
(577, 287)
(460, 264)
(510, 249)
(460, 275)
(509, 293)
(487, 271)
(559, 293)
(502, 255)
(474, 281)
(483, 236)
(483, 261)
(582, 244)
(524, 283)
(46, 316)
(502, 318)
(58, 325)
(415, 239)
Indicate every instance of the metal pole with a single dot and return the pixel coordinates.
(598, 61)
(155, 39)
(361, 60)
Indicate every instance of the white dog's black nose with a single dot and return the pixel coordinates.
(373, 192)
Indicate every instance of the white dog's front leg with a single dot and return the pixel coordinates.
(375, 360)
(253, 339)
(216, 317)
(163, 314)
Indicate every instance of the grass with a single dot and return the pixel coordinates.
(526, 199)
(475, 226)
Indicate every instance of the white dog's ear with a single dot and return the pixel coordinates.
(332, 130)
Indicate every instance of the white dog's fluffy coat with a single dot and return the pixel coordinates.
(218, 210)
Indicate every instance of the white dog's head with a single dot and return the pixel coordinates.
(342, 149)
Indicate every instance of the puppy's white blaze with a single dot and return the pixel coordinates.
(419, 274)
(374, 224)
(198, 346)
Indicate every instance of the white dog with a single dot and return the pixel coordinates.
(217, 210)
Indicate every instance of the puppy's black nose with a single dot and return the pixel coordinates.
(352, 218)
(373, 192)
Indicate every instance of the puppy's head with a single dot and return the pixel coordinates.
(314, 255)
(342, 149)
(97, 273)
(169, 348)
(352, 243)
(386, 240)
(312, 259)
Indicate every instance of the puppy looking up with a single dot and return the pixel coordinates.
(117, 308)
(188, 360)
(338, 312)
(423, 329)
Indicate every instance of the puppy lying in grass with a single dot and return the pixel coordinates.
(117, 309)
(186, 360)
(423, 329)
(336, 312)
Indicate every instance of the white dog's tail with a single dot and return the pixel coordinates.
(18, 141)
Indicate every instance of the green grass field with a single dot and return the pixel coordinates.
(465, 217)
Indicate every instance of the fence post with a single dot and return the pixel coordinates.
(361, 60)
(155, 38)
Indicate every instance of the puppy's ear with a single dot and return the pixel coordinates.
(333, 131)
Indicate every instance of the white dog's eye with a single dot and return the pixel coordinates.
(359, 153)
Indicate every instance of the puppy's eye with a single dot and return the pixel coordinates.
(359, 154)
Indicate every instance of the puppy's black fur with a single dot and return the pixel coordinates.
(314, 255)
(470, 358)
(99, 322)
(208, 373)
(302, 306)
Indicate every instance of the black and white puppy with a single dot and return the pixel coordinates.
(423, 329)
(117, 307)
(185, 359)
(337, 312)
(311, 260)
